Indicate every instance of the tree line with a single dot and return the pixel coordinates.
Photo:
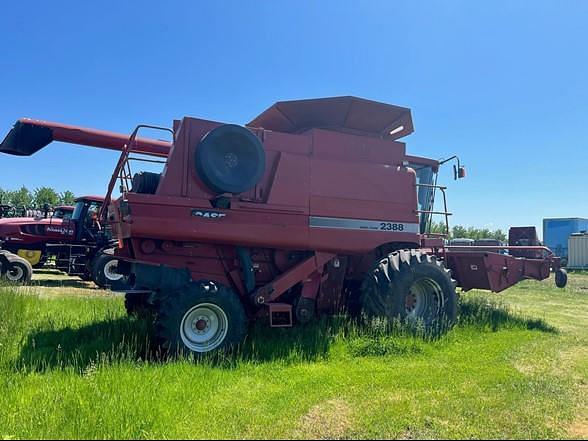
(23, 198)
(461, 232)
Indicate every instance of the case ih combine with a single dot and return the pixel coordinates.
(315, 206)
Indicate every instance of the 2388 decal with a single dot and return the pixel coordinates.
(389, 226)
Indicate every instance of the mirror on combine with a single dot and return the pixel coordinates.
(459, 172)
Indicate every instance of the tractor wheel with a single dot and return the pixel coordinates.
(138, 305)
(561, 278)
(105, 275)
(19, 270)
(198, 319)
(413, 287)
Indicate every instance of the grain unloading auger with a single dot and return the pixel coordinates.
(28, 136)
(312, 208)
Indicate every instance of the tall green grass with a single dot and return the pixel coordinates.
(79, 367)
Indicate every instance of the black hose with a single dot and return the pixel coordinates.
(247, 265)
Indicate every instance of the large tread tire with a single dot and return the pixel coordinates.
(412, 287)
(102, 273)
(145, 182)
(175, 309)
(19, 270)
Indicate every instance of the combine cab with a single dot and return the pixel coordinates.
(312, 208)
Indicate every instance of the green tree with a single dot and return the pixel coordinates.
(459, 232)
(499, 235)
(67, 198)
(20, 198)
(438, 227)
(45, 195)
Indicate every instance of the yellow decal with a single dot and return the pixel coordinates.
(32, 256)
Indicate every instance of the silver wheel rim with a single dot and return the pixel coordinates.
(424, 300)
(15, 274)
(204, 327)
(110, 271)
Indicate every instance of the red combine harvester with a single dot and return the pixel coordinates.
(313, 207)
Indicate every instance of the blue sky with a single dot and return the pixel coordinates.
(503, 84)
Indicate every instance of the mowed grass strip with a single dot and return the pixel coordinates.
(76, 367)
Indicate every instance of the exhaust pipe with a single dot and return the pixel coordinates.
(28, 136)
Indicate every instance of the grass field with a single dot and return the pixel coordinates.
(72, 365)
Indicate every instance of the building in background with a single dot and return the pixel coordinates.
(578, 251)
(557, 231)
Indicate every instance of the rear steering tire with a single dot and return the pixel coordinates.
(412, 287)
(200, 318)
(105, 275)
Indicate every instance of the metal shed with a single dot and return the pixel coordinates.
(578, 251)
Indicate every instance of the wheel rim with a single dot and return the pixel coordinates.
(110, 271)
(204, 327)
(15, 273)
(425, 300)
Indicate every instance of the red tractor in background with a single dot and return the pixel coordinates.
(71, 240)
(27, 234)
(312, 208)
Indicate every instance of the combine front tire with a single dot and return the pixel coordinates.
(19, 270)
(201, 318)
(412, 287)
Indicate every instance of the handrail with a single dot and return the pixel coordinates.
(122, 161)
(430, 213)
(440, 187)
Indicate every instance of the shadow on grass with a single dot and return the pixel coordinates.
(124, 339)
(127, 339)
(482, 313)
(66, 283)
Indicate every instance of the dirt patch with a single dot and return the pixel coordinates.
(579, 429)
(327, 420)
